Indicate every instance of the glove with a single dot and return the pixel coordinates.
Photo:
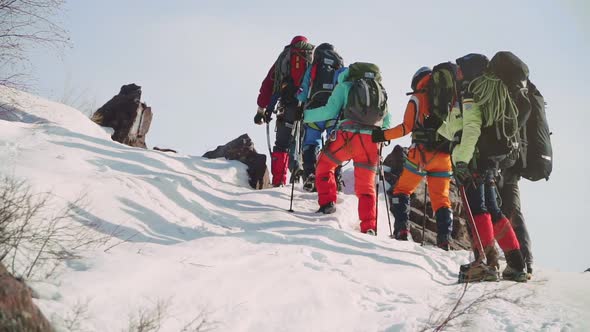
(268, 115)
(378, 136)
(259, 117)
(462, 173)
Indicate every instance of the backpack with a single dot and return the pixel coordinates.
(290, 67)
(326, 61)
(472, 65)
(442, 93)
(500, 144)
(538, 153)
(367, 99)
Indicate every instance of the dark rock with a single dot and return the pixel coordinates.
(164, 149)
(127, 115)
(17, 310)
(588, 270)
(242, 149)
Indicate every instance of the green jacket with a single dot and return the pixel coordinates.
(335, 104)
(470, 123)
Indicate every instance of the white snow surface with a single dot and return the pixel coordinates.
(189, 232)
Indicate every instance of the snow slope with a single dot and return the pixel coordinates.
(188, 234)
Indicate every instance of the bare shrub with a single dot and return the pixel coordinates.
(460, 312)
(35, 234)
(25, 24)
(149, 319)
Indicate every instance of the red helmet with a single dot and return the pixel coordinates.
(298, 39)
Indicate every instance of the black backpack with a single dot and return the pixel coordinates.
(537, 153)
(326, 61)
(472, 65)
(494, 148)
(367, 98)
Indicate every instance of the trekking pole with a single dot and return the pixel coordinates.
(424, 216)
(270, 109)
(382, 176)
(296, 129)
(377, 191)
(268, 139)
(472, 222)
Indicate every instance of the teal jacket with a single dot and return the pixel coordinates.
(470, 123)
(335, 104)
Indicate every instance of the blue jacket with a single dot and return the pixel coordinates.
(335, 104)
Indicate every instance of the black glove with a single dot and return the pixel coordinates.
(378, 136)
(462, 173)
(259, 118)
(268, 115)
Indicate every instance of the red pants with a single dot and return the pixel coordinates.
(365, 155)
(436, 166)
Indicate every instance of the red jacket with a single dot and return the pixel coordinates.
(265, 93)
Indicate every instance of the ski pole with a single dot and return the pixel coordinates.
(424, 216)
(472, 222)
(296, 130)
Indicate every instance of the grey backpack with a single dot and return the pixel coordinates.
(367, 99)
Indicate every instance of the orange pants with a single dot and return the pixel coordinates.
(437, 168)
(365, 154)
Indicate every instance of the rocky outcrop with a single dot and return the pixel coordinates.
(242, 149)
(127, 115)
(461, 239)
(17, 310)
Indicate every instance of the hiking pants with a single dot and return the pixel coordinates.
(510, 194)
(365, 155)
(312, 140)
(284, 154)
(489, 220)
(436, 167)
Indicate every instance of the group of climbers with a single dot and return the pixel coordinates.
(480, 121)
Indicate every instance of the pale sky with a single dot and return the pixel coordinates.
(201, 63)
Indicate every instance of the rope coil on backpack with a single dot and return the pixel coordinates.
(496, 104)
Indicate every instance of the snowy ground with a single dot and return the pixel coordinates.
(189, 236)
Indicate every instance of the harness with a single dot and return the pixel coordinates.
(425, 139)
(348, 137)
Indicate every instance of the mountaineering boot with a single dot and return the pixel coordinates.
(309, 184)
(515, 269)
(371, 232)
(514, 275)
(491, 256)
(278, 167)
(477, 271)
(328, 208)
(444, 226)
(400, 208)
(529, 270)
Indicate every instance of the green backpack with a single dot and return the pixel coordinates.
(442, 93)
(367, 98)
